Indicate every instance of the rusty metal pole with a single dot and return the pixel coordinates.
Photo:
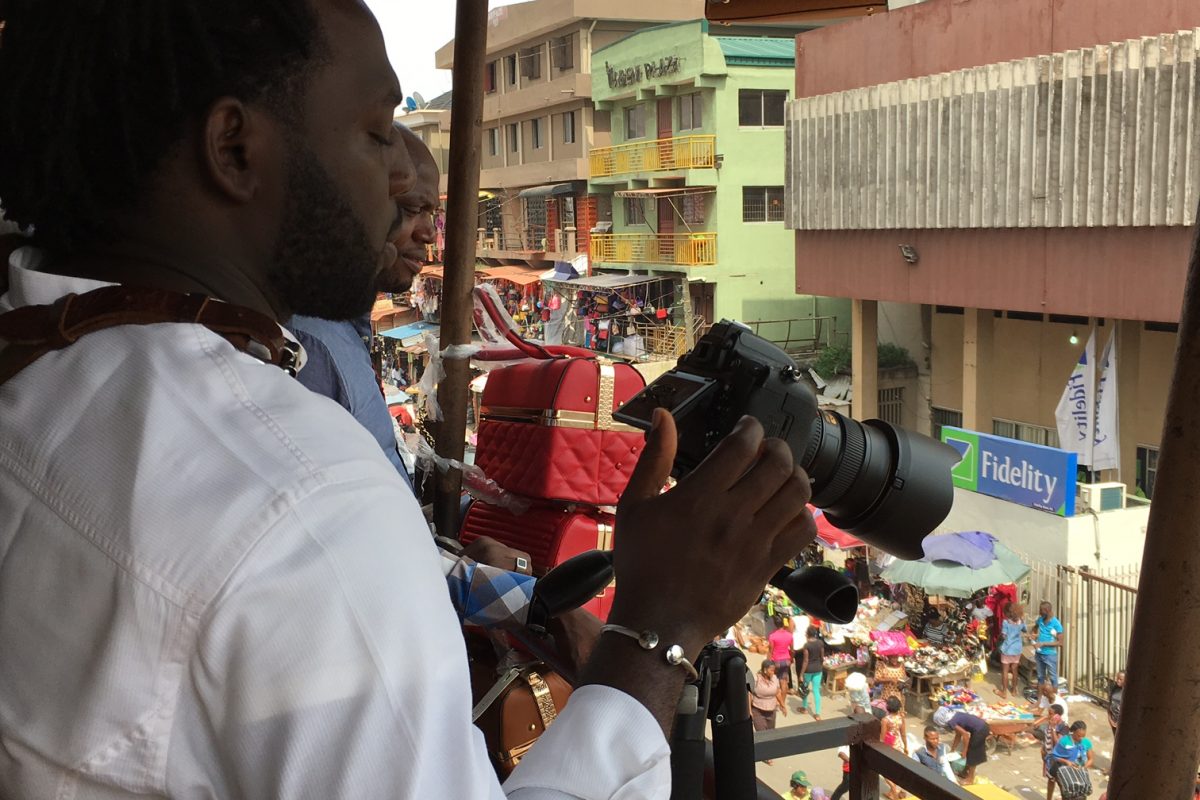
(462, 189)
(1158, 740)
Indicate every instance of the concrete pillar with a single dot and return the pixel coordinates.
(1129, 348)
(977, 369)
(864, 369)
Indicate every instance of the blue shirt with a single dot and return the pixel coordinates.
(1010, 637)
(931, 761)
(338, 366)
(1048, 631)
(1074, 752)
(969, 722)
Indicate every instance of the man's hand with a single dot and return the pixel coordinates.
(690, 562)
(486, 550)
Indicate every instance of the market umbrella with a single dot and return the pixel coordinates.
(937, 574)
(831, 537)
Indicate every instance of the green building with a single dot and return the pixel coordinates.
(696, 172)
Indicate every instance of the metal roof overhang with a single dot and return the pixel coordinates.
(548, 190)
(673, 191)
(606, 281)
(789, 10)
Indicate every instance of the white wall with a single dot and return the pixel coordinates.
(1049, 538)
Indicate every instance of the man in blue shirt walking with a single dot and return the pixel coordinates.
(338, 353)
(1049, 644)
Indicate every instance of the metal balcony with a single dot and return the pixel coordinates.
(657, 155)
(675, 249)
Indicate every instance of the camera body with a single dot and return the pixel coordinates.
(886, 485)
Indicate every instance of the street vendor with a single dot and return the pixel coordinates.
(1049, 644)
(1074, 749)
(970, 739)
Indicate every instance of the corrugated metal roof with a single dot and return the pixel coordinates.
(441, 102)
(756, 51)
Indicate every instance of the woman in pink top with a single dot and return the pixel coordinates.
(766, 698)
(780, 642)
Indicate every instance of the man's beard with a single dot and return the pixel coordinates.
(324, 264)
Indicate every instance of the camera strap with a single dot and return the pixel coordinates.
(33, 331)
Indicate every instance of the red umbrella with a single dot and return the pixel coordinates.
(833, 537)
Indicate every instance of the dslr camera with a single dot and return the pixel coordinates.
(888, 486)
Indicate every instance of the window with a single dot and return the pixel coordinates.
(691, 113)
(514, 137)
(691, 208)
(531, 62)
(493, 140)
(1025, 432)
(761, 108)
(891, 405)
(489, 77)
(567, 212)
(945, 417)
(535, 130)
(562, 52)
(635, 212)
(956, 310)
(510, 69)
(568, 127)
(534, 235)
(635, 122)
(762, 204)
(1147, 469)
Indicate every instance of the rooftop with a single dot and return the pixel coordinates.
(757, 51)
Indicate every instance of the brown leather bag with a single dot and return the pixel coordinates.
(516, 709)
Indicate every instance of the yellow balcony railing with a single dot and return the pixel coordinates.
(679, 249)
(658, 155)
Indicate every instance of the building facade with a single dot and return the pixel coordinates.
(539, 122)
(694, 175)
(1012, 176)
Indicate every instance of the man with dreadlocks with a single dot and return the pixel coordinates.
(339, 361)
(211, 577)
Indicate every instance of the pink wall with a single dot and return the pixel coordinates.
(1119, 273)
(944, 35)
(1123, 273)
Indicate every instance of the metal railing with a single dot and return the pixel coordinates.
(1096, 610)
(656, 155)
(870, 759)
(678, 249)
(799, 338)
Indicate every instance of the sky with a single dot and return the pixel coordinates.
(414, 31)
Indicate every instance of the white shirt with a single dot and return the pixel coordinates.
(214, 585)
(1044, 704)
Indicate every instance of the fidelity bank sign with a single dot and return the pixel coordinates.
(1023, 473)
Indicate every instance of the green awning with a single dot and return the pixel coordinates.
(548, 190)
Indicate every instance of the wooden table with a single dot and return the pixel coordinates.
(925, 686)
(835, 677)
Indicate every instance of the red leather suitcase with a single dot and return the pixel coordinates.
(546, 430)
(549, 534)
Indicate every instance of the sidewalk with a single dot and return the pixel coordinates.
(1019, 773)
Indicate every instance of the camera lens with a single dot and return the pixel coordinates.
(887, 486)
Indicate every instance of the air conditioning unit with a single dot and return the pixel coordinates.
(1102, 496)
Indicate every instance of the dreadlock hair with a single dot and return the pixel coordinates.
(95, 93)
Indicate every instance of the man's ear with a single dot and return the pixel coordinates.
(235, 149)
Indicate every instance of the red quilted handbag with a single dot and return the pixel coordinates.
(546, 430)
(549, 534)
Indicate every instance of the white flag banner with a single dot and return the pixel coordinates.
(1076, 412)
(1107, 449)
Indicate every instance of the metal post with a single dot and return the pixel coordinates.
(470, 46)
(1158, 739)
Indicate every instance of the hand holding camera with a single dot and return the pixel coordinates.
(690, 561)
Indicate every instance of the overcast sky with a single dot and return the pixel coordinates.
(414, 31)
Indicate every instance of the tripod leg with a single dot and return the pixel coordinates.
(733, 733)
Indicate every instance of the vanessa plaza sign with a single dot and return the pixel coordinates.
(1027, 474)
(628, 76)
